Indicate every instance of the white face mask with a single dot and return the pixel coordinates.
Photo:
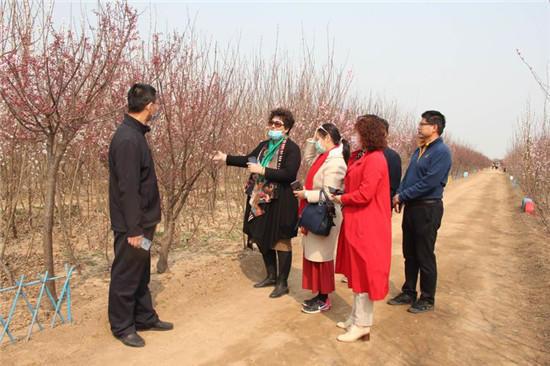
(355, 142)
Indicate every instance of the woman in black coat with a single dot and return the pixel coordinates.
(271, 212)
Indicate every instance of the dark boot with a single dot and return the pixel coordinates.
(285, 263)
(249, 244)
(270, 263)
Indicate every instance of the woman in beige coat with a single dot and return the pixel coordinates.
(327, 155)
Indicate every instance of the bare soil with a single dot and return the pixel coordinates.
(492, 305)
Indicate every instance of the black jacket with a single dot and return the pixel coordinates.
(394, 168)
(281, 215)
(134, 199)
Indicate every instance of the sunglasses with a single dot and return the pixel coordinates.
(277, 124)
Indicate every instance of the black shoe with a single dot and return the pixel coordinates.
(132, 340)
(311, 302)
(268, 281)
(159, 326)
(280, 290)
(317, 307)
(421, 306)
(402, 299)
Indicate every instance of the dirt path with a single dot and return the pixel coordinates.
(492, 305)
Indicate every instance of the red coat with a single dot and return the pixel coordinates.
(364, 245)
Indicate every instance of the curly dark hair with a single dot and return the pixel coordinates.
(372, 131)
(286, 116)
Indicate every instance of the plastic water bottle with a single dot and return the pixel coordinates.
(146, 244)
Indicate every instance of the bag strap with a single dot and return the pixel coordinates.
(321, 193)
(329, 205)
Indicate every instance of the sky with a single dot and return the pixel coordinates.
(456, 57)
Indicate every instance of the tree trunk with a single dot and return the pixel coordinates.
(5, 269)
(65, 226)
(29, 196)
(48, 220)
(3, 245)
(162, 263)
(54, 158)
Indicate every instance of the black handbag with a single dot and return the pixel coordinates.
(318, 218)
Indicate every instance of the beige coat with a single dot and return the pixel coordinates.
(319, 248)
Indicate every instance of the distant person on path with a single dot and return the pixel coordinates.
(134, 205)
(271, 213)
(421, 192)
(326, 154)
(364, 245)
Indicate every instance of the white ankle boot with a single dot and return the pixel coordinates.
(355, 333)
(344, 325)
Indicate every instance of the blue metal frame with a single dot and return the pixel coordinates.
(65, 296)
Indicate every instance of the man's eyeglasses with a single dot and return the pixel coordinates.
(274, 123)
(425, 124)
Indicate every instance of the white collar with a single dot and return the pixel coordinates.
(337, 152)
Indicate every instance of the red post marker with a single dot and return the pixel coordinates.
(530, 207)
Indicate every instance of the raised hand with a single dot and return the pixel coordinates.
(219, 156)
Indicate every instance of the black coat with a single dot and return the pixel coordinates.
(134, 199)
(281, 215)
(394, 168)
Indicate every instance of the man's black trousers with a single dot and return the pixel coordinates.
(130, 303)
(421, 220)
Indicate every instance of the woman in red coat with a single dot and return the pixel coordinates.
(364, 246)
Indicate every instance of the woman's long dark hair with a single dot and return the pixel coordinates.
(336, 138)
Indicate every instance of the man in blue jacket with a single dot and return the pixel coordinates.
(421, 192)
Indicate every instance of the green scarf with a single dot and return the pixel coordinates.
(271, 148)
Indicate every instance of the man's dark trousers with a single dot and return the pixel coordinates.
(420, 224)
(130, 303)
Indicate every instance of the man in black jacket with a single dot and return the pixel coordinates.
(134, 205)
(394, 166)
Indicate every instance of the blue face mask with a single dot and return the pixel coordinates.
(320, 149)
(275, 135)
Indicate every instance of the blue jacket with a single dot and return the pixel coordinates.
(426, 175)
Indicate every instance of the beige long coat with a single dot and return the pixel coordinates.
(319, 248)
